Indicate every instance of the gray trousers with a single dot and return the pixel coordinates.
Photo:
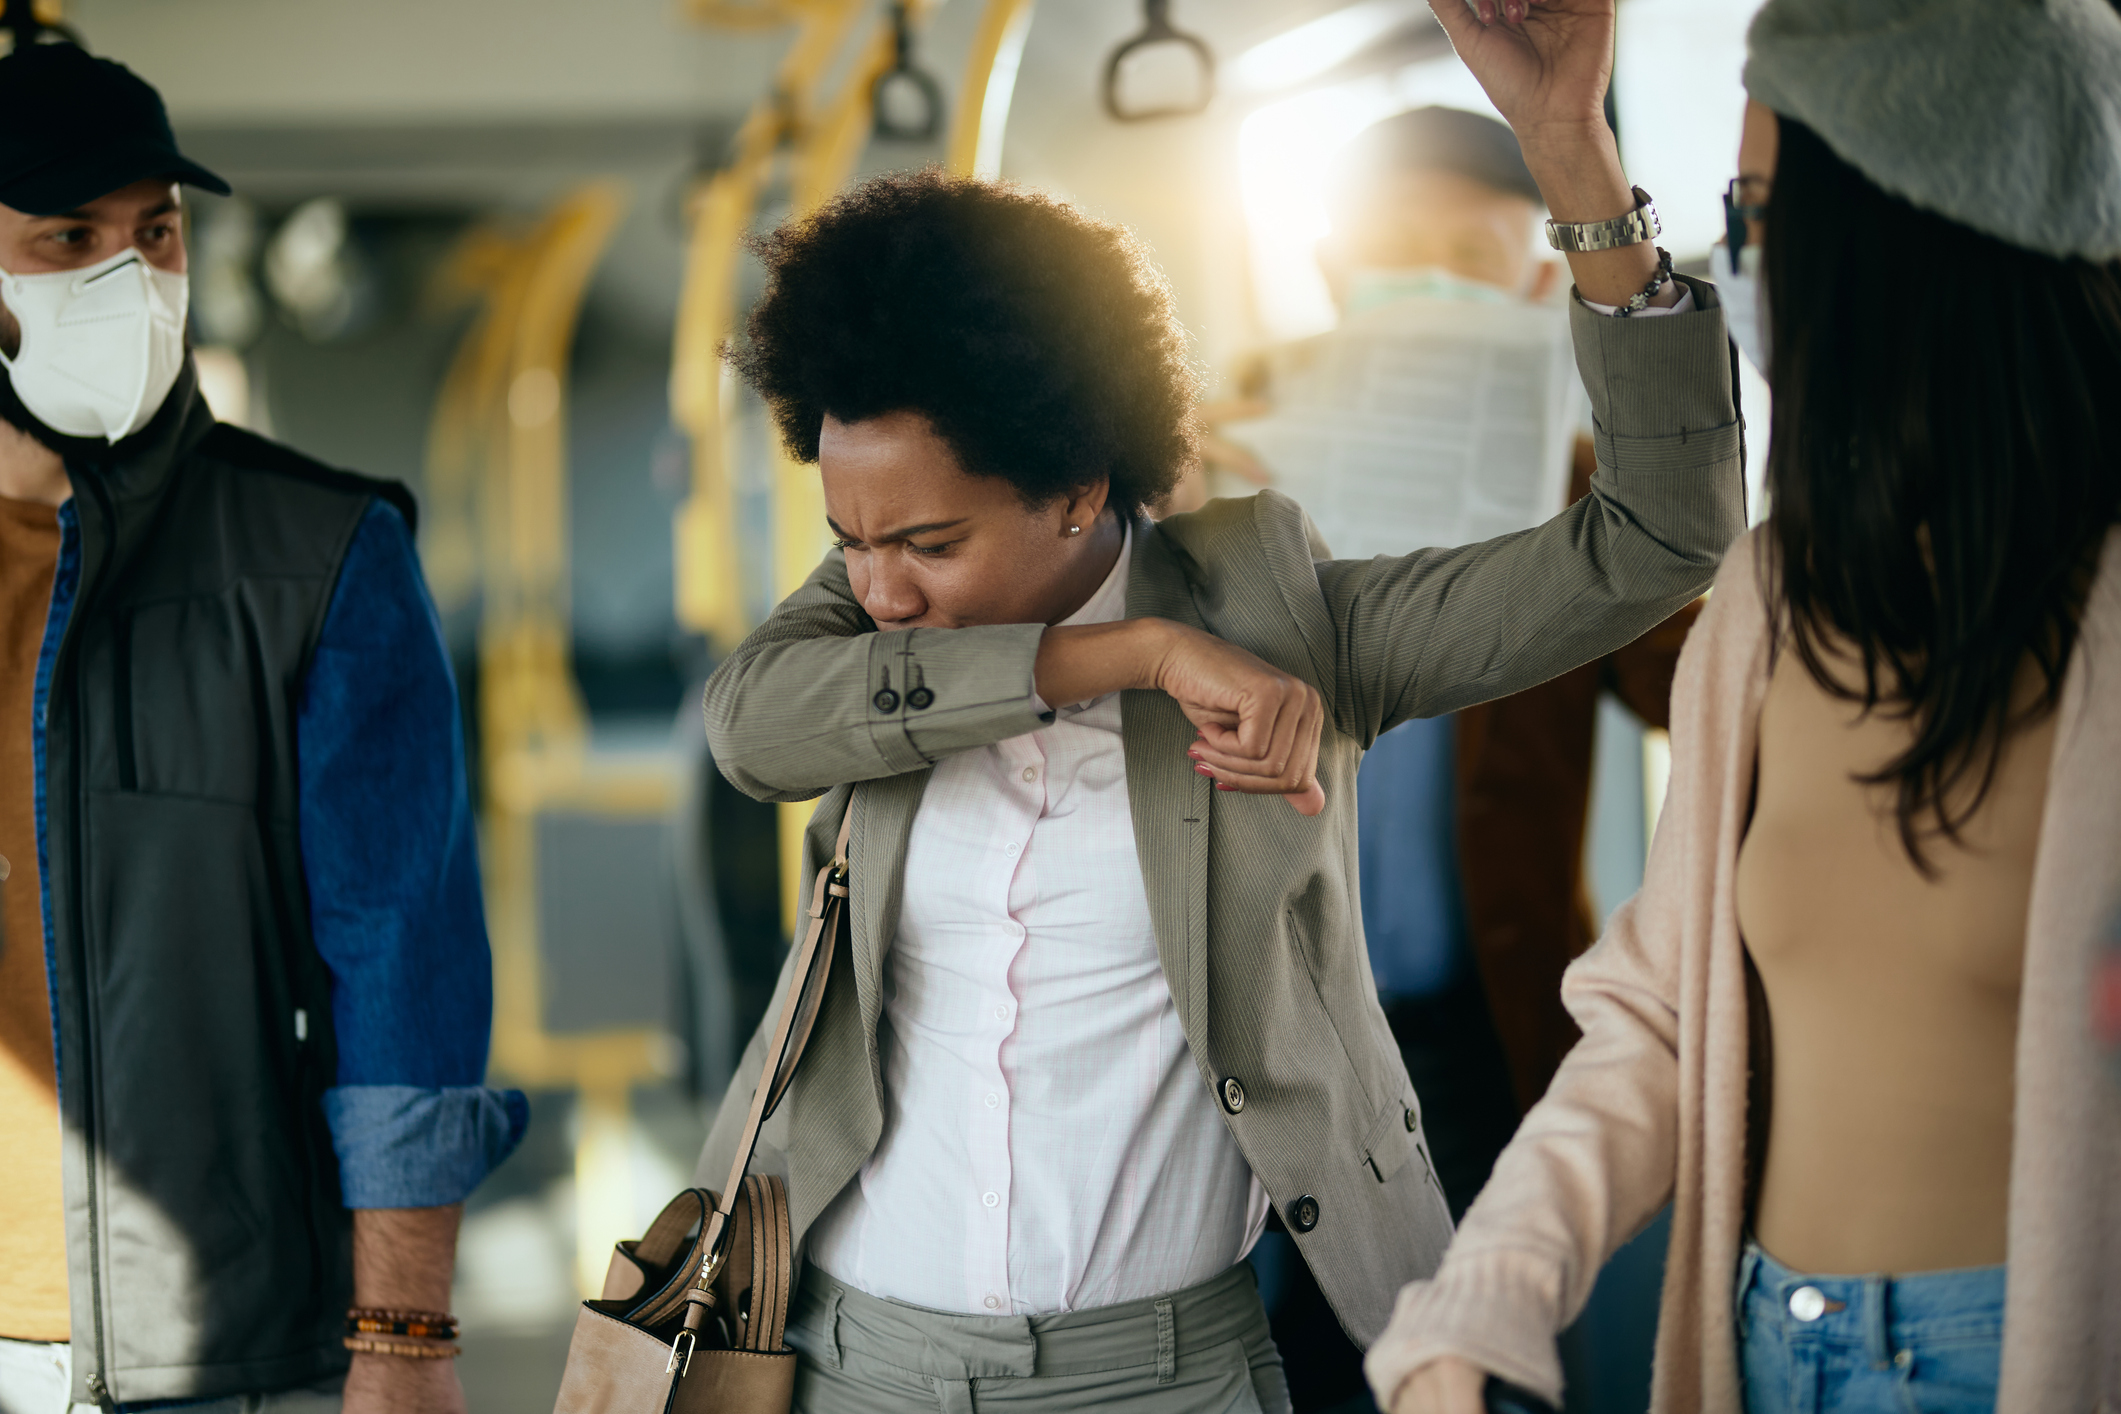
(37, 1377)
(1204, 1350)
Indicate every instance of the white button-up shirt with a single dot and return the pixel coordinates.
(1048, 1144)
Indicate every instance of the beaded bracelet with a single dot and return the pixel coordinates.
(1659, 278)
(365, 1345)
(427, 1325)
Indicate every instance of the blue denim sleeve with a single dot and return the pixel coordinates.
(391, 861)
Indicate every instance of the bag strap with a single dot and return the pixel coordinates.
(791, 1034)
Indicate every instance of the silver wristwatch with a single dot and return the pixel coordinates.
(1635, 227)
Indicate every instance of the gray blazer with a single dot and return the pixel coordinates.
(1257, 916)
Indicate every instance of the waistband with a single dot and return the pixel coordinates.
(1880, 1313)
(832, 1316)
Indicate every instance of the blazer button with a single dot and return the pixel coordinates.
(1303, 1213)
(885, 700)
(1233, 1095)
(1413, 1122)
(920, 699)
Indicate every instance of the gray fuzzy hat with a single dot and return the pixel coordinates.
(2002, 116)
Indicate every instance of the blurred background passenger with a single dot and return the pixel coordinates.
(1472, 824)
(1843, 1026)
(242, 907)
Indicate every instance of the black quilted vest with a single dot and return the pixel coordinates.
(207, 1247)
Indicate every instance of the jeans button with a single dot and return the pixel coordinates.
(1807, 1303)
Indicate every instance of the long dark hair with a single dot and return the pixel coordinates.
(1944, 465)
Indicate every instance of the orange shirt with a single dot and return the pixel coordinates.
(33, 1302)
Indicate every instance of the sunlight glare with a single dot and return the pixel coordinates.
(1286, 153)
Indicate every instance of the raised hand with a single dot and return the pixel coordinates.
(1544, 63)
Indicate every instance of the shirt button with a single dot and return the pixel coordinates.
(1807, 1303)
(994, 1303)
(1011, 847)
(1001, 1013)
(1233, 1095)
(993, 1100)
(990, 1198)
(1030, 773)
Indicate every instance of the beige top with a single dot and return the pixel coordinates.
(1651, 1105)
(1892, 994)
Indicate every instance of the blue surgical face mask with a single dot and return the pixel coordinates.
(1744, 301)
(1373, 287)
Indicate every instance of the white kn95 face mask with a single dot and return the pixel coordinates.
(1744, 295)
(101, 346)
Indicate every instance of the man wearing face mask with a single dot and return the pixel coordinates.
(244, 981)
(1472, 825)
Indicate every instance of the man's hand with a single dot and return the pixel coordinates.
(403, 1261)
(1446, 1385)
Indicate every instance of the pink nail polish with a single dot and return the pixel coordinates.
(1204, 770)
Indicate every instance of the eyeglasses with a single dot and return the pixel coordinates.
(1737, 213)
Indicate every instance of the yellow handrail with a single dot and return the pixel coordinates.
(823, 140)
(982, 114)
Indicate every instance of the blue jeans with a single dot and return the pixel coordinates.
(1924, 1344)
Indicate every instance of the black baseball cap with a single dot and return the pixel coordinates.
(74, 127)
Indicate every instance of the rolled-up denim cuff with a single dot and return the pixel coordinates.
(404, 1146)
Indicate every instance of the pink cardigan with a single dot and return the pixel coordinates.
(1651, 1104)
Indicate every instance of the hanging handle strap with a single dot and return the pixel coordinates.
(791, 1034)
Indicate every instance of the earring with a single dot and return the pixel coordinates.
(1075, 530)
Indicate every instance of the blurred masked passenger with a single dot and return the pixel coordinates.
(1471, 825)
(244, 984)
(1844, 1027)
(1108, 1003)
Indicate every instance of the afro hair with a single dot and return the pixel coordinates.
(1042, 345)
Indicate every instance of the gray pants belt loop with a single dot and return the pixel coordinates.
(1166, 1344)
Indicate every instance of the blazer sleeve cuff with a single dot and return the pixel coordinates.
(405, 1146)
(936, 692)
(1660, 389)
(1498, 1309)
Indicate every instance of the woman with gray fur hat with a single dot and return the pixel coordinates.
(1844, 1028)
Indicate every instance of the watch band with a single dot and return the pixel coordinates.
(1635, 227)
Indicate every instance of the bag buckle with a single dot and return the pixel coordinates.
(681, 1354)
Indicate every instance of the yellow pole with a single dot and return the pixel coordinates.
(982, 116)
(827, 142)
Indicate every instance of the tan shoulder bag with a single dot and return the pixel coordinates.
(692, 1316)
